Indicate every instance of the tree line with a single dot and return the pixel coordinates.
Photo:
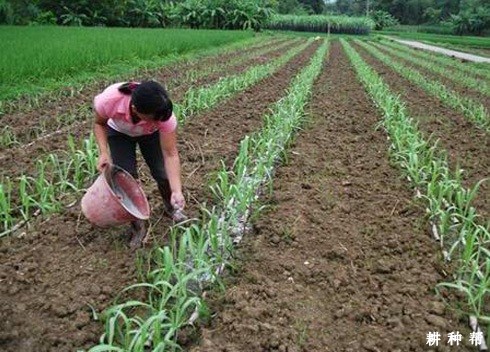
(223, 14)
(463, 16)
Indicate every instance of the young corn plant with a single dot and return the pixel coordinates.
(7, 137)
(44, 190)
(61, 172)
(83, 161)
(90, 155)
(6, 218)
(473, 110)
(448, 202)
(27, 202)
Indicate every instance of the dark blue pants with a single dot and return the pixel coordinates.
(123, 153)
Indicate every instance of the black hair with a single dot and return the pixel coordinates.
(149, 97)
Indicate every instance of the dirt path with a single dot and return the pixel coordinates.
(467, 146)
(23, 160)
(51, 276)
(342, 261)
(452, 53)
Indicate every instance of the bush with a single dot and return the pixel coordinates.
(383, 19)
(211, 14)
(6, 13)
(223, 14)
(472, 21)
(44, 18)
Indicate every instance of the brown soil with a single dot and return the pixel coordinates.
(341, 261)
(466, 145)
(26, 122)
(459, 88)
(23, 160)
(52, 274)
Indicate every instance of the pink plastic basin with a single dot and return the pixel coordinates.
(115, 198)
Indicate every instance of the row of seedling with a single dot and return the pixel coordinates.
(440, 59)
(8, 137)
(245, 55)
(180, 272)
(57, 123)
(463, 235)
(56, 176)
(459, 78)
(58, 164)
(206, 97)
(82, 113)
(470, 108)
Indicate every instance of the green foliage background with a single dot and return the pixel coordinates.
(438, 16)
(211, 14)
(460, 16)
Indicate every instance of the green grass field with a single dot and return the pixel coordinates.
(33, 57)
(424, 28)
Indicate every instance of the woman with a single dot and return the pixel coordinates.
(133, 113)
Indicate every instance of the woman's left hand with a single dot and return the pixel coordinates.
(177, 200)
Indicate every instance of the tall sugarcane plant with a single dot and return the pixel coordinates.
(322, 24)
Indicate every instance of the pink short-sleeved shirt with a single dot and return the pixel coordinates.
(114, 106)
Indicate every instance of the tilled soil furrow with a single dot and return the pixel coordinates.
(341, 262)
(23, 160)
(236, 69)
(23, 122)
(63, 266)
(466, 145)
(459, 88)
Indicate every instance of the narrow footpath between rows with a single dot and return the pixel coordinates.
(467, 145)
(54, 275)
(342, 260)
(448, 52)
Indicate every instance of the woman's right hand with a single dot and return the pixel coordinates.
(103, 161)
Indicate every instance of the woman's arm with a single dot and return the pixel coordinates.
(168, 142)
(100, 131)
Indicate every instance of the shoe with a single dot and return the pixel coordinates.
(138, 234)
